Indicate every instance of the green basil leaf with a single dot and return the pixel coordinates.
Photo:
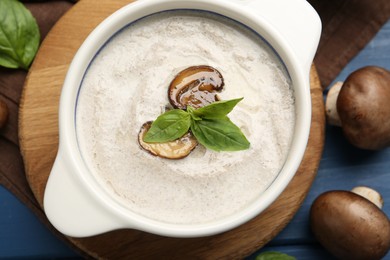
(270, 255)
(217, 109)
(219, 134)
(169, 126)
(19, 35)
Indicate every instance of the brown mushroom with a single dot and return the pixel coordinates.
(361, 106)
(176, 149)
(196, 86)
(3, 114)
(350, 226)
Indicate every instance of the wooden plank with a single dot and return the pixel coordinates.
(22, 234)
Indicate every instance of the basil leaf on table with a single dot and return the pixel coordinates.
(217, 109)
(271, 255)
(19, 35)
(169, 126)
(219, 134)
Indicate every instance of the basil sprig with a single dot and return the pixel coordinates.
(210, 125)
(19, 35)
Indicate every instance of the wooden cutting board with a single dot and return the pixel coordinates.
(38, 134)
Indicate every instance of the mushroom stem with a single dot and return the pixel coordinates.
(370, 194)
(331, 104)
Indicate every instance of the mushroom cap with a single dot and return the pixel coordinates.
(363, 106)
(350, 226)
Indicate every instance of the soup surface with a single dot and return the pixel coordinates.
(126, 85)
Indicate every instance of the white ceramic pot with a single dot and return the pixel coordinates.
(75, 203)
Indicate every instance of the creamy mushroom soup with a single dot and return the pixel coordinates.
(126, 86)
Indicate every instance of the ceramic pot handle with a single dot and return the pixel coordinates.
(73, 211)
(296, 20)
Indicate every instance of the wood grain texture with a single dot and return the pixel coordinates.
(38, 133)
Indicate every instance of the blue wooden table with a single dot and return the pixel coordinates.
(342, 167)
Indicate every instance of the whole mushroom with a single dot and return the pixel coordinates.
(361, 106)
(349, 225)
(3, 114)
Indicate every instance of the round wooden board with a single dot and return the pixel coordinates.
(38, 133)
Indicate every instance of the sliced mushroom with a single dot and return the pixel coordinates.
(176, 149)
(3, 114)
(349, 225)
(196, 86)
(361, 106)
